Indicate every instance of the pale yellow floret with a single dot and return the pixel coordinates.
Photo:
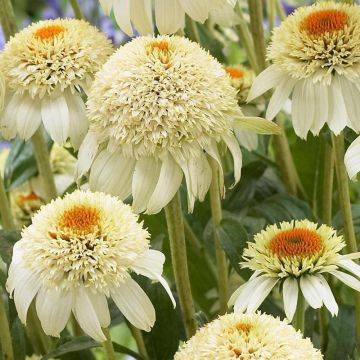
(249, 337)
(161, 93)
(319, 254)
(85, 239)
(52, 55)
(319, 40)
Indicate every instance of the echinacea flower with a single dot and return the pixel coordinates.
(315, 55)
(157, 110)
(78, 251)
(242, 79)
(297, 255)
(169, 14)
(248, 336)
(46, 67)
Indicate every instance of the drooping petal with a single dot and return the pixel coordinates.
(260, 293)
(321, 109)
(106, 5)
(53, 308)
(28, 117)
(55, 116)
(257, 125)
(169, 16)
(350, 266)
(86, 316)
(326, 294)
(141, 16)
(87, 153)
(280, 95)
(352, 158)
(134, 304)
(290, 297)
(310, 291)
(145, 178)
(101, 308)
(8, 117)
(197, 10)
(247, 139)
(235, 150)
(301, 125)
(122, 15)
(168, 184)
(266, 80)
(78, 123)
(347, 279)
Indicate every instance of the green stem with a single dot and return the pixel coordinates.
(299, 317)
(345, 210)
(77, 10)
(280, 10)
(7, 18)
(221, 261)
(323, 322)
(329, 165)
(193, 31)
(5, 334)
(257, 30)
(246, 39)
(271, 6)
(108, 346)
(7, 219)
(42, 158)
(175, 224)
(139, 339)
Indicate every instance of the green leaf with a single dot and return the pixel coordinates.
(8, 238)
(20, 164)
(18, 339)
(233, 238)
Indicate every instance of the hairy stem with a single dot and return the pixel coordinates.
(175, 224)
(221, 261)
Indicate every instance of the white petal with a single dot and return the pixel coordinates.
(350, 266)
(197, 10)
(145, 178)
(86, 316)
(106, 5)
(8, 117)
(168, 184)
(169, 16)
(87, 153)
(112, 174)
(310, 291)
(321, 108)
(327, 295)
(28, 117)
(338, 117)
(122, 15)
(26, 287)
(151, 266)
(53, 308)
(352, 158)
(78, 123)
(301, 124)
(247, 139)
(280, 95)
(141, 16)
(260, 293)
(134, 304)
(212, 150)
(235, 150)
(290, 296)
(224, 15)
(347, 279)
(101, 308)
(55, 116)
(266, 80)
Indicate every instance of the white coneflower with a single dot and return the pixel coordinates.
(316, 58)
(46, 67)
(248, 336)
(157, 109)
(78, 251)
(169, 14)
(297, 255)
(242, 80)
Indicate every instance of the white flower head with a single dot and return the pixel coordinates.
(316, 57)
(297, 255)
(78, 251)
(46, 66)
(169, 14)
(157, 110)
(248, 336)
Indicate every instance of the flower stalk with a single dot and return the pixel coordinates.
(175, 224)
(108, 346)
(221, 261)
(7, 219)
(77, 10)
(5, 334)
(345, 210)
(139, 339)
(299, 317)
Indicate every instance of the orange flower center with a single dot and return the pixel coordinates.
(322, 21)
(161, 45)
(28, 197)
(80, 218)
(296, 242)
(234, 73)
(244, 327)
(49, 32)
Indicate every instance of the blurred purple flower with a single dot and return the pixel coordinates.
(2, 38)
